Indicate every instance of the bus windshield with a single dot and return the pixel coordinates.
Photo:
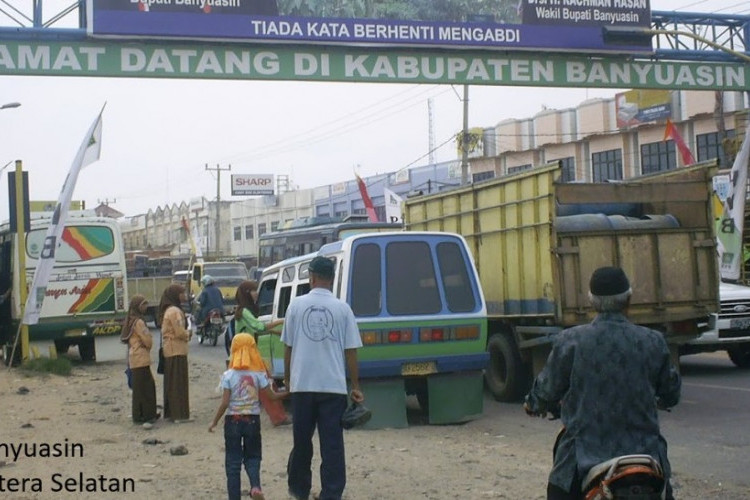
(79, 243)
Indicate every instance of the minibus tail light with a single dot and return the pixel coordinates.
(467, 332)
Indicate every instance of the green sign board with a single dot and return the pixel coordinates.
(259, 62)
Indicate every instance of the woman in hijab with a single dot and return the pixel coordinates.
(242, 384)
(135, 333)
(175, 338)
(245, 321)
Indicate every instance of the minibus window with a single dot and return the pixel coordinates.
(265, 297)
(411, 287)
(456, 283)
(366, 283)
(285, 296)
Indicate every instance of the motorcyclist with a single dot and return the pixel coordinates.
(209, 299)
(609, 377)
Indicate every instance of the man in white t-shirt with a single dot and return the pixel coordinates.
(321, 338)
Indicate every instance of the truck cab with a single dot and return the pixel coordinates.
(227, 276)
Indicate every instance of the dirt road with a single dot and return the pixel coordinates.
(75, 440)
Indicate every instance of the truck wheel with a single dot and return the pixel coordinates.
(740, 355)
(506, 376)
(61, 347)
(87, 350)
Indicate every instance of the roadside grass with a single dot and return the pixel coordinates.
(59, 366)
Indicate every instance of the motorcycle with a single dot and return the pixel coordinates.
(627, 477)
(212, 327)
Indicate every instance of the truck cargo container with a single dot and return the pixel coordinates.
(536, 241)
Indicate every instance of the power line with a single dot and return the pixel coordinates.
(330, 129)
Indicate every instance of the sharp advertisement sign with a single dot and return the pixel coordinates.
(538, 25)
(252, 185)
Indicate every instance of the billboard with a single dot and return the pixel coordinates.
(642, 106)
(252, 185)
(206, 60)
(547, 25)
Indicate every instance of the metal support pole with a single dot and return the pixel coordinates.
(21, 258)
(218, 170)
(465, 140)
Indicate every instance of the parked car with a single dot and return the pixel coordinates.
(732, 327)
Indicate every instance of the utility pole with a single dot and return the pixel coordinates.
(218, 170)
(465, 140)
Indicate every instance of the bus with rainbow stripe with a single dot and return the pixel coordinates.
(87, 292)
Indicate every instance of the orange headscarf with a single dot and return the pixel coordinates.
(245, 354)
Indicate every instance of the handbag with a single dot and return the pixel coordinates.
(128, 371)
(129, 377)
(160, 366)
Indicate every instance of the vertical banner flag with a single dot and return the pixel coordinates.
(366, 198)
(393, 209)
(193, 240)
(671, 132)
(729, 230)
(87, 153)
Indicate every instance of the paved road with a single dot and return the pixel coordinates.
(707, 432)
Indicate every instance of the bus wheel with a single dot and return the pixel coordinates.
(423, 399)
(87, 350)
(505, 376)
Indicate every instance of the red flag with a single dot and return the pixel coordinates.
(366, 198)
(671, 133)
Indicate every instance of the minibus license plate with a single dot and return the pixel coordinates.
(419, 368)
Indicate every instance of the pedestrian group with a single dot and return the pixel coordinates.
(604, 379)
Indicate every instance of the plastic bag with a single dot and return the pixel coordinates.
(355, 415)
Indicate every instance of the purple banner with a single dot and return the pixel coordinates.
(261, 21)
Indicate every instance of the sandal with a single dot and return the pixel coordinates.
(257, 494)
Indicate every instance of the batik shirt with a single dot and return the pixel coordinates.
(608, 376)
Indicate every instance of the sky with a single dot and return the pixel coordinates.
(159, 135)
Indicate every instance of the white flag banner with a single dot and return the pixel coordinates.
(730, 226)
(87, 153)
(197, 242)
(393, 206)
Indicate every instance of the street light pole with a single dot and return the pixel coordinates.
(6, 165)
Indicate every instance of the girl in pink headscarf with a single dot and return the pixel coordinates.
(242, 384)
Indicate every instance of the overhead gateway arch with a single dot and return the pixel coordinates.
(545, 43)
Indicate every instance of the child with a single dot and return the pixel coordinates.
(241, 384)
(245, 320)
